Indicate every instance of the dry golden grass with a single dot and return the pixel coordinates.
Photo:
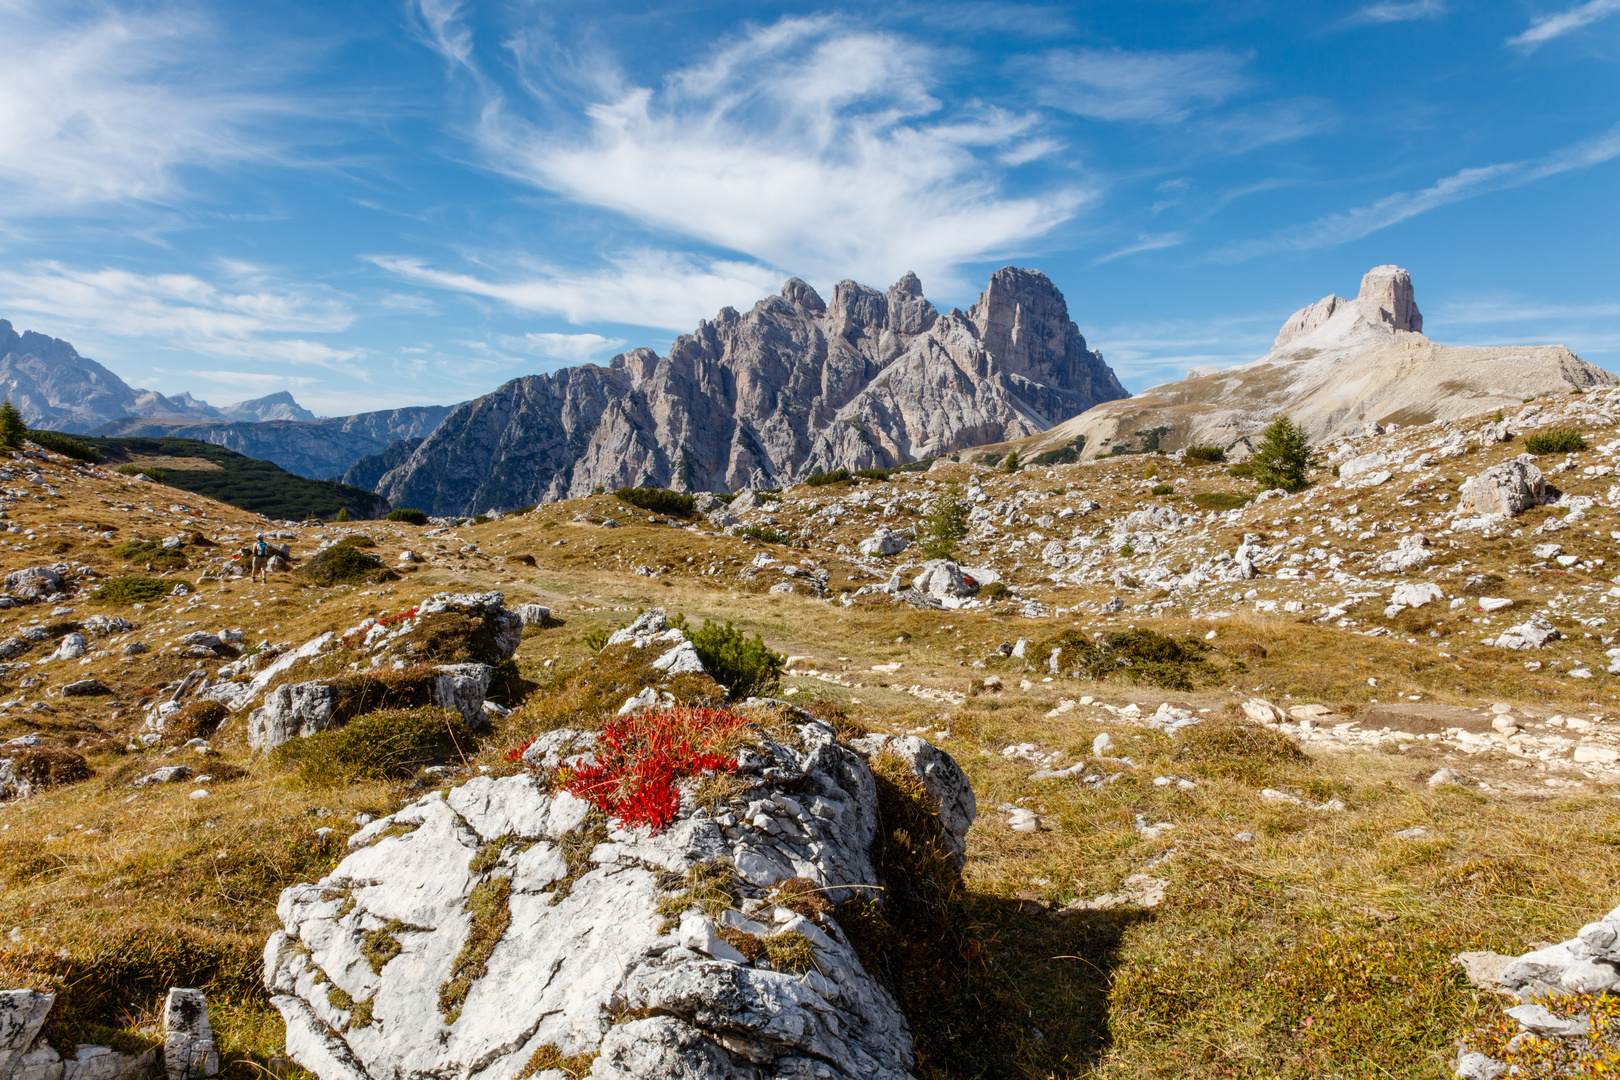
(1318, 949)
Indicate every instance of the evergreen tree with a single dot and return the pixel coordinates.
(1283, 457)
(1012, 464)
(945, 524)
(343, 514)
(12, 428)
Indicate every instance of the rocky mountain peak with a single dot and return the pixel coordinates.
(1386, 296)
(801, 295)
(794, 386)
(909, 311)
(1023, 320)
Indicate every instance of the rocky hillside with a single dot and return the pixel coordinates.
(795, 386)
(1337, 365)
(1159, 775)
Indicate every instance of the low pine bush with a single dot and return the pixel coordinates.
(1204, 455)
(1558, 440)
(131, 590)
(1219, 501)
(341, 564)
(764, 536)
(386, 745)
(408, 516)
(837, 476)
(65, 445)
(150, 553)
(1164, 489)
(743, 665)
(658, 500)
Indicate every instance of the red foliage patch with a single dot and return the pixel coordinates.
(640, 757)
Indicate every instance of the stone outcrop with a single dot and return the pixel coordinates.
(1338, 367)
(25, 1055)
(1588, 963)
(578, 919)
(1508, 488)
(798, 384)
(296, 711)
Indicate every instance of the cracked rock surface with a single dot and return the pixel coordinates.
(586, 942)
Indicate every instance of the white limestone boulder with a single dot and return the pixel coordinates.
(585, 939)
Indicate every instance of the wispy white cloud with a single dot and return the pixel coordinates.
(1145, 242)
(1160, 87)
(101, 105)
(441, 28)
(183, 312)
(1556, 25)
(1410, 11)
(1392, 209)
(647, 288)
(573, 348)
(804, 144)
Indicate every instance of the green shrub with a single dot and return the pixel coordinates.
(658, 500)
(837, 476)
(1205, 455)
(1066, 454)
(993, 590)
(1218, 501)
(387, 745)
(1558, 440)
(1244, 471)
(408, 516)
(743, 665)
(65, 445)
(150, 473)
(1163, 489)
(357, 540)
(1136, 656)
(343, 513)
(1151, 472)
(767, 536)
(13, 429)
(341, 564)
(1283, 456)
(991, 460)
(875, 474)
(151, 553)
(944, 526)
(131, 590)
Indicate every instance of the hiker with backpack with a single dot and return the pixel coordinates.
(261, 559)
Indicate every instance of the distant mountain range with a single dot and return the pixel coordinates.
(56, 388)
(796, 386)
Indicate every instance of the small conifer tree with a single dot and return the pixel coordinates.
(1283, 457)
(944, 526)
(12, 428)
(1012, 464)
(343, 514)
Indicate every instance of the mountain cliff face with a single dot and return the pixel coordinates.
(795, 386)
(319, 449)
(54, 387)
(1337, 366)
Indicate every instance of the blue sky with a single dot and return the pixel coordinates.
(375, 203)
